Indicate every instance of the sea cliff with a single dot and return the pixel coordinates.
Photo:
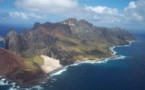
(63, 43)
(68, 41)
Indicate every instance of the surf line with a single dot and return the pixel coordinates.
(118, 57)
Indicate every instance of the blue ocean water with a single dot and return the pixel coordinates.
(126, 72)
(4, 29)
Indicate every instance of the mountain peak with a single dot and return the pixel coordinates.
(67, 40)
(36, 25)
(82, 21)
(12, 32)
(70, 21)
(73, 22)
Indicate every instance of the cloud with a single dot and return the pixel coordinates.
(100, 15)
(102, 9)
(51, 6)
(25, 15)
(71, 8)
(131, 6)
(104, 14)
(133, 14)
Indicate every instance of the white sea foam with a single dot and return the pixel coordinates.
(76, 64)
(32, 88)
(102, 61)
(2, 82)
(59, 72)
(36, 87)
(114, 52)
(66, 67)
(120, 57)
(112, 49)
(12, 88)
(130, 42)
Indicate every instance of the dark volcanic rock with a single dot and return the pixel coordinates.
(36, 25)
(17, 44)
(68, 41)
(13, 68)
(64, 57)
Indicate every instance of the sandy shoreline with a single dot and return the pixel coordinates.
(50, 64)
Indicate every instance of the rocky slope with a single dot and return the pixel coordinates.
(14, 68)
(68, 41)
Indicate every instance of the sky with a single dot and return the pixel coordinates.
(129, 14)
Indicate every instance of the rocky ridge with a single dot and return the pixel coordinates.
(69, 40)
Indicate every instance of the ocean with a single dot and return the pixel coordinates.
(126, 72)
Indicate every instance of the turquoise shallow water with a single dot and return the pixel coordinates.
(124, 73)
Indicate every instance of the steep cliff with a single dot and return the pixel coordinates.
(17, 44)
(14, 68)
(68, 41)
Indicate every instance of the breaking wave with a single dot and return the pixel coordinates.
(119, 57)
(13, 86)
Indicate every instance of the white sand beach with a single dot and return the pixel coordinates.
(50, 64)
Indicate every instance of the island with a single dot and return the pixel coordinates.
(50, 46)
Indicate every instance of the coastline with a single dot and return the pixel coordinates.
(113, 47)
(99, 60)
(56, 69)
(5, 81)
(14, 86)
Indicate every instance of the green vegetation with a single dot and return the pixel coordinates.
(30, 62)
(77, 49)
(79, 57)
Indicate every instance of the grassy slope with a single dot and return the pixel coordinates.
(30, 62)
(91, 50)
